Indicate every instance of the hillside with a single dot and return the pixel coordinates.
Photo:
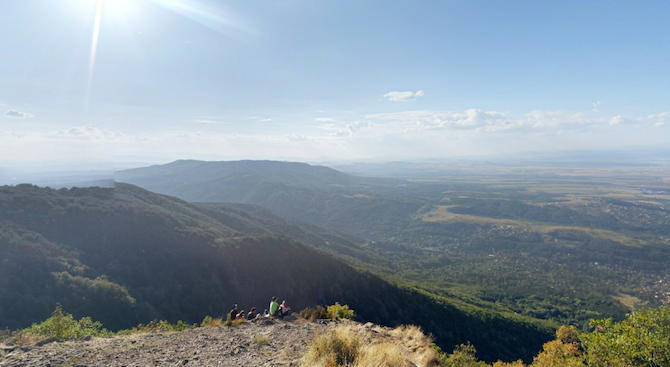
(126, 256)
(283, 344)
(642, 339)
(261, 342)
(314, 194)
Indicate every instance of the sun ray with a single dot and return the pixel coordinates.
(94, 48)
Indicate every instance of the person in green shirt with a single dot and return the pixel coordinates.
(274, 306)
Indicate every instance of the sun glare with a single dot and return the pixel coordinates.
(94, 48)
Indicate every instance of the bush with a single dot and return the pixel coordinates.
(229, 321)
(337, 311)
(463, 356)
(63, 326)
(211, 322)
(642, 339)
(313, 314)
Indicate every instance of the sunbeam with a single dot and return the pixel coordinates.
(94, 48)
(212, 17)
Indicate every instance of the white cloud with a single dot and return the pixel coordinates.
(324, 119)
(403, 96)
(400, 134)
(559, 119)
(88, 132)
(266, 120)
(659, 119)
(596, 106)
(296, 138)
(475, 119)
(206, 121)
(180, 135)
(618, 120)
(18, 114)
(351, 129)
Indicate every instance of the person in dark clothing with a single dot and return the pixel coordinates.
(252, 314)
(233, 312)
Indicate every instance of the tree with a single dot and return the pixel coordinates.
(642, 339)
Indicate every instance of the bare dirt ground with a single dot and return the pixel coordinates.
(260, 343)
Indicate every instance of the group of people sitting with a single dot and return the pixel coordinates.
(275, 310)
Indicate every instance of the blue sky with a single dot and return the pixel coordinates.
(308, 80)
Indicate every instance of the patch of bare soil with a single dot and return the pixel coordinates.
(260, 343)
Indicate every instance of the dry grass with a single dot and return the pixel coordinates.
(340, 346)
(381, 355)
(210, 322)
(20, 338)
(260, 340)
(441, 213)
(627, 300)
(361, 346)
(419, 344)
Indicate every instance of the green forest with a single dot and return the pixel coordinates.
(126, 256)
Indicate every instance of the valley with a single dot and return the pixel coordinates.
(490, 255)
(555, 241)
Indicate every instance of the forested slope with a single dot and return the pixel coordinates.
(319, 195)
(126, 256)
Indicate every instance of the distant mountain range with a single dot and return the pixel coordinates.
(315, 194)
(125, 256)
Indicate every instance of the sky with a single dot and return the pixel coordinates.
(159, 80)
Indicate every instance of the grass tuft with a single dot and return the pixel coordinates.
(339, 347)
(211, 322)
(358, 346)
(261, 340)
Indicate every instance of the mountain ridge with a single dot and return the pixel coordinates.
(126, 256)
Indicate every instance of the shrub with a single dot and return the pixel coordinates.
(63, 326)
(642, 339)
(211, 322)
(238, 322)
(229, 321)
(463, 356)
(313, 314)
(337, 311)
(181, 326)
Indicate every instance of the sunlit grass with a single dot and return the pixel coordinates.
(441, 213)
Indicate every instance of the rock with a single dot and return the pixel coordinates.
(46, 341)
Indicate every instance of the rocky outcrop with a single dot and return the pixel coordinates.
(262, 343)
